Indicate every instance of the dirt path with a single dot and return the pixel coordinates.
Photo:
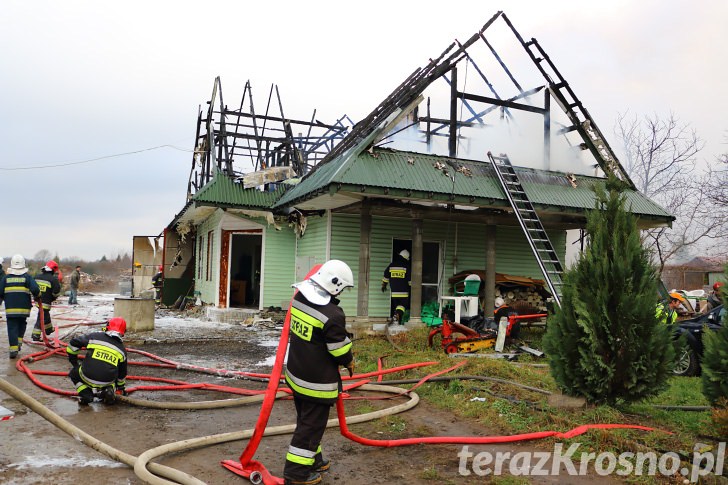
(33, 451)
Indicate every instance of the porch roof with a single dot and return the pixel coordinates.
(415, 175)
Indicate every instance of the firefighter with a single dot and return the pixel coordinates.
(16, 289)
(104, 366)
(158, 283)
(318, 345)
(397, 275)
(50, 289)
(667, 314)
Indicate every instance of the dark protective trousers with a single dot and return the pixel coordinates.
(400, 306)
(46, 323)
(311, 418)
(16, 331)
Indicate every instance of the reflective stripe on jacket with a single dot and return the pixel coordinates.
(318, 345)
(16, 290)
(105, 361)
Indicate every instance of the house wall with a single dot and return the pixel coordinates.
(208, 288)
(311, 247)
(279, 261)
(513, 255)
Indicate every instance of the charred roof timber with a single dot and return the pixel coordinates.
(405, 99)
(239, 141)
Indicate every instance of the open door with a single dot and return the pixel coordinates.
(240, 284)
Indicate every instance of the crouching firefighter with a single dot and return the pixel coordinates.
(318, 345)
(103, 370)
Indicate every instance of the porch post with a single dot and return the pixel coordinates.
(365, 231)
(416, 279)
(489, 302)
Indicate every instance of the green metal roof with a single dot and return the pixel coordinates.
(223, 191)
(385, 170)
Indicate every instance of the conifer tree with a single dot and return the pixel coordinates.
(605, 342)
(715, 358)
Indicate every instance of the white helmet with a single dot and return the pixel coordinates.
(17, 265)
(405, 254)
(499, 302)
(334, 276)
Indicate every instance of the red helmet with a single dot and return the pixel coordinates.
(717, 285)
(52, 265)
(117, 324)
(161, 268)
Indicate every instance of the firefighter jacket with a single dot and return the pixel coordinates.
(397, 275)
(16, 290)
(50, 288)
(105, 361)
(665, 314)
(318, 345)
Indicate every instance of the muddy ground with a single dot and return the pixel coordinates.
(34, 451)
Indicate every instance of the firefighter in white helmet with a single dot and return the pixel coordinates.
(319, 345)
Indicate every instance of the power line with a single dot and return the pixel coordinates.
(66, 164)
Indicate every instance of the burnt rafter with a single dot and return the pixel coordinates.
(240, 141)
(494, 87)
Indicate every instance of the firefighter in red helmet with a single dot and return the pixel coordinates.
(50, 289)
(103, 370)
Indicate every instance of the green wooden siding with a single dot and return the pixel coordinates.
(345, 238)
(208, 288)
(313, 242)
(279, 266)
(514, 256)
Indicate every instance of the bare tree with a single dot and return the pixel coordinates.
(661, 160)
(43, 255)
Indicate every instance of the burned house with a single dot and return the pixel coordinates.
(471, 163)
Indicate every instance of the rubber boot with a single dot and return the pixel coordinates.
(322, 466)
(86, 396)
(107, 395)
(312, 479)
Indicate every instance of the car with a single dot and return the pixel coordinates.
(687, 361)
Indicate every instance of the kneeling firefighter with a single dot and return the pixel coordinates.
(104, 366)
(318, 345)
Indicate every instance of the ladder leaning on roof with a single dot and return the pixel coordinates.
(531, 225)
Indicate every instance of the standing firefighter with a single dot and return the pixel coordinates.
(50, 288)
(397, 275)
(16, 289)
(318, 345)
(104, 366)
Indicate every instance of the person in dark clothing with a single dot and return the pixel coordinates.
(714, 299)
(16, 288)
(50, 288)
(158, 283)
(318, 346)
(75, 283)
(397, 275)
(104, 367)
(2, 272)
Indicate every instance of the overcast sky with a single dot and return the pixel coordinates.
(85, 80)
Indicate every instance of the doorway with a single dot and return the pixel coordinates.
(245, 261)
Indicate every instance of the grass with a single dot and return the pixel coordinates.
(511, 410)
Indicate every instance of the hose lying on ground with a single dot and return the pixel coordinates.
(151, 472)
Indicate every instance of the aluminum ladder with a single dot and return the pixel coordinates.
(581, 120)
(531, 225)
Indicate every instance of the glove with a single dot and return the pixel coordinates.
(350, 368)
(121, 390)
(384, 287)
